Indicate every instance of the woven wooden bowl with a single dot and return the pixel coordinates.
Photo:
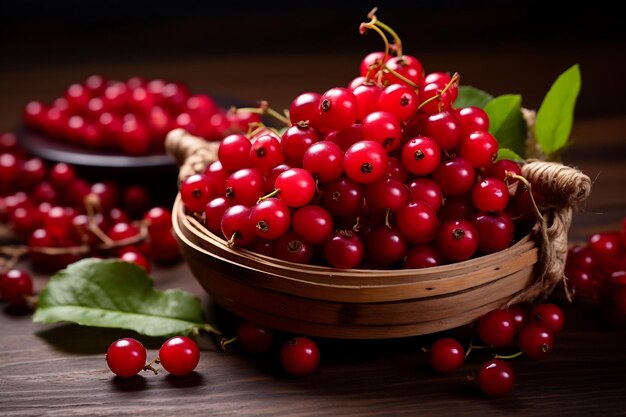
(359, 303)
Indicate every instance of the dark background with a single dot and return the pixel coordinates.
(502, 47)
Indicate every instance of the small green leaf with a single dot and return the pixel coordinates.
(507, 123)
(472, 96)
(505, 153)
(118, 294)
(556, 113)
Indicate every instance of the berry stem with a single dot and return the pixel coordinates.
(270, 195)
(265, 109)
(455, 79)
(512, 356)
(529, 187)
(209, 328)
(225, 342)
(149, 367)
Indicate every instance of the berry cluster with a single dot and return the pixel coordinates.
(385, 172)
(179, 355)
(131, 116)
(596, 273)
(61, 218)
(531, 330)
(299, 355)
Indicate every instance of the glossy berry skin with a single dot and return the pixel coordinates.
(536, 340)
(271, 218)
(406, 65)
(338, 108)
(455, 177)
(385, 245)
(444, 128)
(245, 186)
(428, 191)
(495, 231)
(386, 193)
(314, 223)
(382, 127)
(15, 285)
(266, 153)
(473, 118)
(479, 149)
(446, 355)
(213, 213)
(126, 357)
(418, 222)
(304, 108)
(457, 240)
(296, 140)
(179, 355)
(400, 100)
(254, 338)
(300, 356)
(137, 258)
(234, 152)
(549, 314)
(421, 155)
(293, 248)
(503, 169)
(365, 161)
(344, 249)
(422, 256)
(606, 244)
(236, 225)
(343, 198)
(297, 187)
(195, 192)
(371, 63)
(497, 328)
(496, 377)
(490, 195)
(324, 160)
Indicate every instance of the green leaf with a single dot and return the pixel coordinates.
(472, 96)
(505, 153)
(556, 113)
(507, 123)
(118, 294)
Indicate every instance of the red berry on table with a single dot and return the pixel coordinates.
(126, 357)
(496, 377)
(536, 340)
(253, 337)
(300, 356)
(550, 315)
(137, 258)
(447, 355)
(497, 328)
(15, 286)
(520, 315)
(606, 244)
(179, 355)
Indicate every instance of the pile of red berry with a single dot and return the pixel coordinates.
(132, 116)
(385, 172)
(56, 218)
(596, 273)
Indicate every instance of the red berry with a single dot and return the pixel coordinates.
(126, 357)
(254, 338)
(236, 226)
(15, 285)
(479, 149)
(428, 191)
(473, 118)
(296, 140)
(496, 378)
(195, 192)
(497, 328)
(266, 153)
(343, 198)
(271, 218)
(495, 231)
(421, 155)
(297, 187)
(344, 249)
(455, 177)
(385, 245)
(314, 223)
(137, 258)
(400, 100)
(536, 340)
(446, 355)
(457, 240)
(418, 222)
(324, 160)
(234, 152)
(444, 128)
(384, 128)
(605, 245)
(365, 161)
(422, 256)
(550, 315)
(244, 186)
(179, 355)
(300, 356)
(338, 108)
(304, 108)
(490, 195)
(293, 248)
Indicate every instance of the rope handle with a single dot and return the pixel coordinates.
(191, 153)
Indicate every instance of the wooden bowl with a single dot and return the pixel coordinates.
(356, 303)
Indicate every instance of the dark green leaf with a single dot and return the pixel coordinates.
(504, 153)
(118, 294)
(556, 113)
(506, 122)
(472, 96)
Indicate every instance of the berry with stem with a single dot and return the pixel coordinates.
(447, 355)
(496, 377)
(126, 357)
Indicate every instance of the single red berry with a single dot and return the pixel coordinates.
(314, 223)
(338, 108)
(164, 248)
(536, 340)
(446, 355)
(400, 100)
(195, 192)
(418, 222)
(520, 315)
(479, 148)
(293, 248)
(472, 118)
(385, 245)
(234, 152)
(455, 177)
(297, 187)
(296, 140)
(365, 161)
(271, 218)
(384, 128)
(179, 355)
(495, 231)
(343, 198)
(253, 337)
(503, 169)
(304, 108)
(497, 328)
(137, 258)
(266, 152)
(496, 377)
(15, 285)
(126, 357)
(422, 256)
(428, 191)
(244, 186)
(444, 128)
(236, 225)
(549, 314)
(581, 256)
(300, 356)
(324, 160)
(213, 213)
(490, 195)
(407, 66)
(372, 63)
(344, 249)
(421, 155)
(386, 194)
(457, 240)
(606, 244)
(367, 95)
(158, 218)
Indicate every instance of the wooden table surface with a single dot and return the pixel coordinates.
(60, 370)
